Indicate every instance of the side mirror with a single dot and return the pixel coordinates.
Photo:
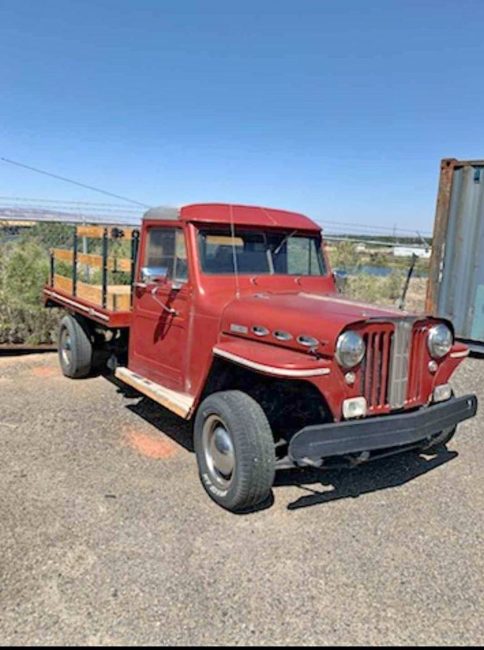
(154, 274)
(340, 279)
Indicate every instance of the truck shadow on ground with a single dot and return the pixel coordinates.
(334, 484)
(168, 423)
(346, 483)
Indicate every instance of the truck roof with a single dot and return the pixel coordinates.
(244, 215)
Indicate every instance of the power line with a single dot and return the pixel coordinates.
(339, 224)
(354, 239)
(24, 199)
(69, 180)
(68, 207)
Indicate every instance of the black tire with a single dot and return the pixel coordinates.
(439, 440)
(76, 361)
(250, 482)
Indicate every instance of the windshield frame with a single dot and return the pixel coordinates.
(285, 234)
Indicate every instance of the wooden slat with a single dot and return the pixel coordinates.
(97, 232)
(118, 297)
(118, 301)
(90, 259)
(62, 283)
(118, 264)
(62, 254)
(90, 292)
(114, 263)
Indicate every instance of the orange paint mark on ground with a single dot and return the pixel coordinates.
(151, 446)
(45, 371)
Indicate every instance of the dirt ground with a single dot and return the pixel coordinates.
(107, 536)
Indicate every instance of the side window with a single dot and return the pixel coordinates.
(166, 251)
(302, 257)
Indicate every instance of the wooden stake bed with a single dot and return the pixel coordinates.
(107, 303)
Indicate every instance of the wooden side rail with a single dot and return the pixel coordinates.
(113, 232)
(118, 297)
(113, 263)
(113, 297)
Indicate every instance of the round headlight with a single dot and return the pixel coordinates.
(350, 349)
(439, 341)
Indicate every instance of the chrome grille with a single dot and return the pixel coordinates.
(386, 375)
(400, 354)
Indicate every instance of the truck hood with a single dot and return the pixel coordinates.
(319, 315)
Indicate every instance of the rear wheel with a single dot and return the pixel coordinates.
(75, 348)
(235, 450)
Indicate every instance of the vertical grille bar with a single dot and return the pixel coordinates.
(369, 369)
(376, 366)
(384, 365)
(400, 354)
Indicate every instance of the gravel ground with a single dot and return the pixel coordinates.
(108, 538)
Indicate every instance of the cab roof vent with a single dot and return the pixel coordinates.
(162, 212)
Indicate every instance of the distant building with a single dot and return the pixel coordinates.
(408, 251)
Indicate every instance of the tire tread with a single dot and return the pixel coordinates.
(251, 429)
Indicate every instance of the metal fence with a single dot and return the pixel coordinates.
(368, 269)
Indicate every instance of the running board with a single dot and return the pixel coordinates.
(179, 403)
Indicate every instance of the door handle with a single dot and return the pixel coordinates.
(140, 285)
(170, 310)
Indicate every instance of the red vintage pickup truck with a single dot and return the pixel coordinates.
(232, 318)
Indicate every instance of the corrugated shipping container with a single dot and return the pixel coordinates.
(456, 279)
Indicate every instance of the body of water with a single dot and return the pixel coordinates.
(380, 271)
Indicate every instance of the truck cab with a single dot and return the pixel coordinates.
(234, 321)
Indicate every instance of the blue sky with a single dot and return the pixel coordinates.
(339, 109)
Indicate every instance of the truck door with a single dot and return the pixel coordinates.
(158, 336)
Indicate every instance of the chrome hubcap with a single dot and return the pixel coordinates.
(219, 451)
(66, 347)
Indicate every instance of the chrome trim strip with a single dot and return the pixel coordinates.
(459, 355)
(282, 372)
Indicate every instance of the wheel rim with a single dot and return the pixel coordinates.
(219, 451)
(65, 347)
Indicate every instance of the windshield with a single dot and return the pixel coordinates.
(260, 252)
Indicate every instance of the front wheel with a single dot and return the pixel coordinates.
(235, 450)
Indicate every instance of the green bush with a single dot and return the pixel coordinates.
(24, 269)
(373, 289)
(343, 256)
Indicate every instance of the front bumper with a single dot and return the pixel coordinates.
(314, 442)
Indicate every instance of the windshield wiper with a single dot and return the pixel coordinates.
(283, 241)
